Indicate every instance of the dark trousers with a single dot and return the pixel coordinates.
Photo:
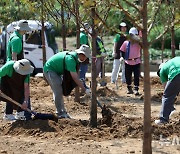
(10, 107)
(171, 90)
(135, 69)
(82, 73)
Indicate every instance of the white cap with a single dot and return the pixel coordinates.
(23, 26)
(133, 31)
(85, 50)
(86, 25)
(81, 29)
(23, 67)
(123, 24)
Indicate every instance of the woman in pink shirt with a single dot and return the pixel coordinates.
(132, 58)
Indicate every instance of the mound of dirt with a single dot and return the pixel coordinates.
(155, 81)
(166, 130)
(126, 121)
(71, 129)
(157, 97)
(105, 91)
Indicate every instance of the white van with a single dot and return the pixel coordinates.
(32, 43)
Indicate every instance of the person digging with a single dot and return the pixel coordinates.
(169, 74)
(54, 70)
(15, 78)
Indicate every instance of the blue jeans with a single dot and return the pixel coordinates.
(171, 90)
(82, 73)
(55, 82)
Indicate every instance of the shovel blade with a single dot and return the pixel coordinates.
(44, 116)
(103, 83)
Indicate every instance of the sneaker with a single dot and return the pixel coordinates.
(64, 115)
(172, 112)
(9, 117)
(113, 82)
(123, 81)
(136, 92)
(129, 91)
(20, 115)
(160, 122)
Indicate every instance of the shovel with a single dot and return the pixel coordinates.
(106, 113)
(41, 116)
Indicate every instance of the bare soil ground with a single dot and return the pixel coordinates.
(71, 136)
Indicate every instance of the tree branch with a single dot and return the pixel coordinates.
(129, 16)
(155, 15)
(158, 37)
(51, 13)
(133, 5)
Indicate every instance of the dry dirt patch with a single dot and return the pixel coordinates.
(127, 122)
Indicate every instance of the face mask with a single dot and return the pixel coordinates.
(80, 60)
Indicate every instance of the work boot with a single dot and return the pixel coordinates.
(130, 91)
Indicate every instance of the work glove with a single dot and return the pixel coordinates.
(103, 54)
(88, 91)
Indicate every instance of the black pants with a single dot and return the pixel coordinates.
(129, 69)
(10, 107)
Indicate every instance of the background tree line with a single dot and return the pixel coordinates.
(13, 10)
(155, 18)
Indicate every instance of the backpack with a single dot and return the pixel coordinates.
(68, 84)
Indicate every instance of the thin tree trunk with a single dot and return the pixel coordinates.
(162, 49)
(147, 149)
(173, 47)
(63, 28)
(42, 34)
(77, 94)
(93, 109)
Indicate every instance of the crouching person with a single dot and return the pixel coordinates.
(54, 69)
(15, 78)
(169, 74)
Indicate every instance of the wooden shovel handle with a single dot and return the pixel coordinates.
(13, 101)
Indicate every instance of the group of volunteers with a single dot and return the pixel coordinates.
(15, 73)
(127, 54)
